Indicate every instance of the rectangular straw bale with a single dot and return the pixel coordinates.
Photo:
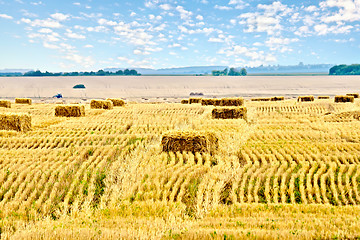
(70, 111)
(194, 100)
(5, 103)
(232, 102)
(23, 101)
(117, 102)
(229, 113)
(189, 141)
(355, 95)
(277, 99)
(185, 101)
(261, 99)
(343, 99)
(101, 104)
(306, 99)
(16, 122)
(216, 101)
(323, 97)
(207, 101)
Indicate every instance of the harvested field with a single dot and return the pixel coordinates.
(277, 99)
(290, 171)
(355, 95)
(323, 97)
(262, 99)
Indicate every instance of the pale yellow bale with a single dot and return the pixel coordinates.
(23, 101)
(117, 102)
(101, 104)
(5, 103)
(15, 122)
(70, 111)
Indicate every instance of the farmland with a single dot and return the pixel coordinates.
(292, 170)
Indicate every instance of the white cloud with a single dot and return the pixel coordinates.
(184, 14)
(47, 23)
(76, 4)
(216, 40)
(239, 4)
(199, 17)
(311, 8)
(222, 7)
(5, 16)
(132, 14)
(324, 29)
(45, 30)
(50, 46)
(165, 7)
(349, 10)
(60, 17)
(73, 35)
(88, 46)
(86, 62)
(280, 44)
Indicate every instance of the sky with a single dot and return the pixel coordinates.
(83, 35)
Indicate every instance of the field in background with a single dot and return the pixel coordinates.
(291, 171)
(152, 87)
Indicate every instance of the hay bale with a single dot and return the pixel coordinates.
(5, 103)
(232, 102)
(263, 99)
(23, 101)
(355, 95)
(189, 141)
(185, 101)
(229, 113)
(101, 104)
(306, 99)
(194, 100)
(117, 102)
(323, 97)
(70, 111)
(216, 102)
(15, 122)
(207, 101)
(344, 99)
(277, 99)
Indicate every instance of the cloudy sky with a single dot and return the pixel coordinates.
(92, 34)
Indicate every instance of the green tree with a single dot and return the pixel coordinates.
(243, 72)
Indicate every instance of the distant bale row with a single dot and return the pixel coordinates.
(355, 95)
(5, 103)
(190, 141)
(117, 102)
(23, 101)
(185, 101)
(261, 99)
(306, 99)
(194, 100)
(16, 122)
(70, 111)
(222, 101)
(277, 99)
(229, 113)
(323, 97)
(343, 99)
(101, 104)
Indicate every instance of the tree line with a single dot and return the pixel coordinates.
(229, 72)
(343, 69)
(126, 72)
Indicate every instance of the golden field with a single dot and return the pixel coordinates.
(292, 170)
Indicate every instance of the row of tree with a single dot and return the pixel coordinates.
(229, 72)
(353, 69)
(126, 72)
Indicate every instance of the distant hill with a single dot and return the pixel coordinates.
(15, 70)
(175, 71)
(275, 69)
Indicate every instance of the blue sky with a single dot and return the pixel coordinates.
(83, 35)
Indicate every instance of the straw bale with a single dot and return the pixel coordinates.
(23, 101)
(228, 113)
(232, 102)
(185, 101)
(101, 104)
(323, 97)
(16, 122)
(117, 102)
(70, 111)
(306, 99)
(355, 95)
(216, 102)
(207, 101)
(343, 99)
(189, 141)
(5, 103)
(277, 99)
(194, 100)
(263, 99)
